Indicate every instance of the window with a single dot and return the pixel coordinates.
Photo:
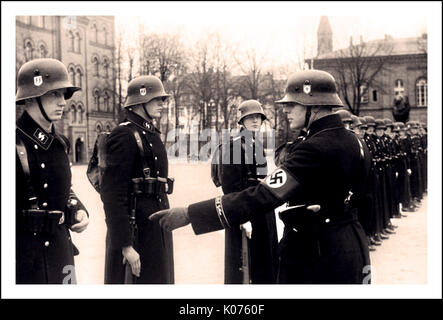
(399, 88)
(96, 66)
(96, 95)
(108, 127)
(78, 77)
(106, 101)
(105, 67)
(43, 51)
(98, 127)
(95, 32)
(364, 96)
(71, 41)
(374, 95)
(28, 50)
(77, 41)
(80, 113)
(73, 114)
(71, 73)
(422, 92)
(105, 36)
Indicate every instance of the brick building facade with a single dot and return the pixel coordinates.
(405, 70)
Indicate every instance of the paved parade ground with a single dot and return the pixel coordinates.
(402, 259)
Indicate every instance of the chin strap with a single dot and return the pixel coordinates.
(42, 110)
(307, 117)
(146, 112)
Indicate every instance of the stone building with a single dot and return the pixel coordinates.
(404, 71)
(85, 44)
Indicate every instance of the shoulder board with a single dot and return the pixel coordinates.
(124, 123)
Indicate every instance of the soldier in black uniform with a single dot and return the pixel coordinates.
(384, 173)
(346, 118)
(237, 176)
(404, 190)
(318, 246)
(46, 207)
(415, 160)
(375, 183)
(150, 254)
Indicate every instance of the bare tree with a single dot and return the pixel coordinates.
(162, 55)
(251, 67)
(358, 67)
(201, 80)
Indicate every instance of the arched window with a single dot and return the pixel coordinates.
(81, 111)
(95, 32)
(78, 77)
(105, 36)
(421, 95)
(96, 95)
(73, 112)
(71, 40)
(29, 48)
(98, 127)
(43, 50)
(71, 73)
(108, 127)
(77, 42)
(105, 67)
(106, 101)
(95, 62)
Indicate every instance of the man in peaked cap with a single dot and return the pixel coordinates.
(46, 207)
(135, 184)
(327, 243)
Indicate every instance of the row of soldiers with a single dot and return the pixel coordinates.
(398, 175)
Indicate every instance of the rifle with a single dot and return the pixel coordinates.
(245, 258)
(137, 189)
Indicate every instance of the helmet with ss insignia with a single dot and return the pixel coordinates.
(249, 107)
(143, 89)
(312, 88)
(39, 76)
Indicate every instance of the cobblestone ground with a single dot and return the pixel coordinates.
(402, 259)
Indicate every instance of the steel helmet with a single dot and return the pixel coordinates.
(363, 123)
(388, 122)
(370, 121)
(312, 88)
(398, 126)
(356, 122)
(37, 77)
(143, 89)
(345, 115)
(380, 124)
(249, 107)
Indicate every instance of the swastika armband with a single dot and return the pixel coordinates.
(280, 183)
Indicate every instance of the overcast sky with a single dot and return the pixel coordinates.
(281, 30)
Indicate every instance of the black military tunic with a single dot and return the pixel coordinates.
(331, 247)
(42, 257)
(263, 243)
(123, 163)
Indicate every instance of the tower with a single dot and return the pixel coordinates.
(324, 36)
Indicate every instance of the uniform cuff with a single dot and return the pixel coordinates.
(204, 217)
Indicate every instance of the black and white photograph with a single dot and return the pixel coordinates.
(275, 150)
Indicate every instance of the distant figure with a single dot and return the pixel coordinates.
(401, 108)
